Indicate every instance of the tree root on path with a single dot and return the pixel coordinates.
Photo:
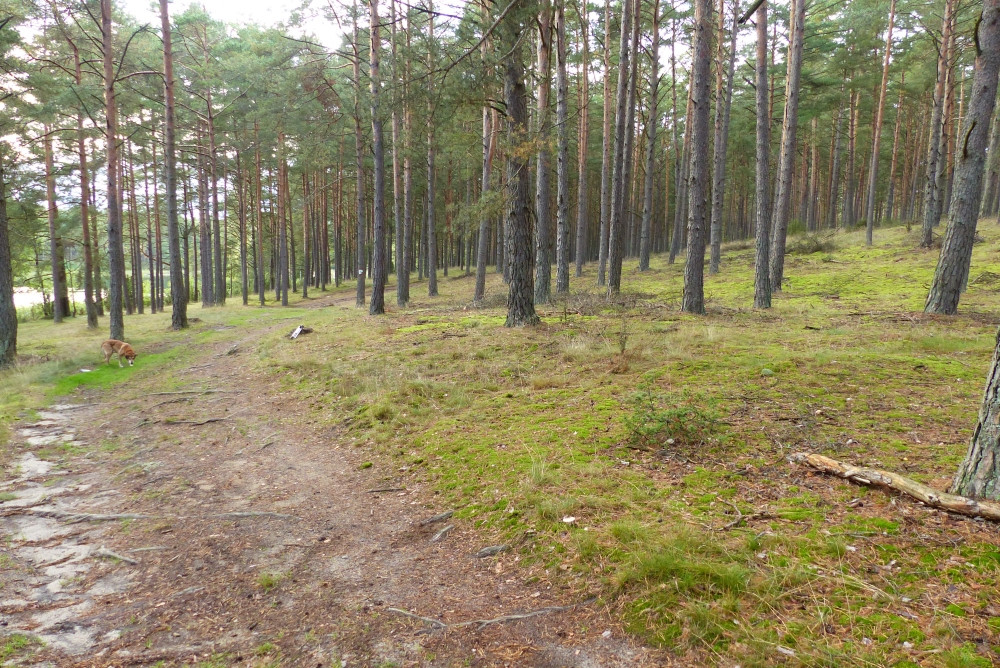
(875, 477)
(480, 624)
(92, 517)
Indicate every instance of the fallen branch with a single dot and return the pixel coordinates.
(865, 476)
(743, 519)
(108, 554)
(196, 423)
(73, 517)
(242, 515)
(480, 624)
(386, 489)
(443, 533)
(440, 517)
(159, 394)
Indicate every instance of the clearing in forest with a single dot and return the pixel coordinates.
(241, 498)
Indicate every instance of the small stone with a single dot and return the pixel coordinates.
(606, 634)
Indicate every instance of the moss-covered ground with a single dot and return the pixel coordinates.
(619, 443)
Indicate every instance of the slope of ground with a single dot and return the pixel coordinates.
(620, 450)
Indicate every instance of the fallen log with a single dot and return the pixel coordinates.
(875, 477)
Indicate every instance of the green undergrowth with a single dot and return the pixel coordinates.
(56, 361)
(617, 445)
(627, 450)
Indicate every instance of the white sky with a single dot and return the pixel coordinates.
(262, 12)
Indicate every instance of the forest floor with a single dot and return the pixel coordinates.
(197, 514)
(240, 498)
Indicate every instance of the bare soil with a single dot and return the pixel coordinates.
(257, 538)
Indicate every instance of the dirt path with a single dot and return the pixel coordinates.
(255, 536)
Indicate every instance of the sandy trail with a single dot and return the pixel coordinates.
(217, 522)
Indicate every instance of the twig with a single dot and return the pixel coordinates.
(387, 489)
(105, 552)
(158, 394)
(440, 535)
(440, 517)
(261, 448)
(426, 620)
(73, 517)
(194, 422)
(483, 623)
(242, 515)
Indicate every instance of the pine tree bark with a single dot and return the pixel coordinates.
(602, 251)
(762, 273)
(219, 261)
(397, 138)
(543, 191)
(978, 475)
(562, 158)
(834, 183)
(407, 263)
(60, 295)
(786, 159)
(847, 220)
(379, 269)
(651, 123)
(520, 304)
(890, 202)
(877, 130)
(116, 256)
(489, 146)
(88, 247)
(359, 157)
(8, 314)
(693, 299)
(431, 220)
(956, 253)
(582, 148)
(932, 188)
(723, 109)
(616, 229)
(241, 196)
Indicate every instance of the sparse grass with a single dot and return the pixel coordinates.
(520, 428)
(268, 581)
(17, 645)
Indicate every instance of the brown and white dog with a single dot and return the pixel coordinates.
(120, 348)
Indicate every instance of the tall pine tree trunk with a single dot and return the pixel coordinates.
(582, 148)
(723, 109)
(359, 156)
(956, 252)
(786, 160)
(520, 304)
(562, 159)
(762, 270)
(60, 294)
(431, 219)
(116, 257)
(932, 188)
(602, 251)
(543, 261)
(616, 229)
(8, 313)
(693, 299)
(877, 130)
(379, 269)
(890, 203)
(651, 123)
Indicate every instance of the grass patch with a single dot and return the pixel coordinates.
(666, 440)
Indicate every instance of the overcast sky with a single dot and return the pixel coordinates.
(261, 12)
